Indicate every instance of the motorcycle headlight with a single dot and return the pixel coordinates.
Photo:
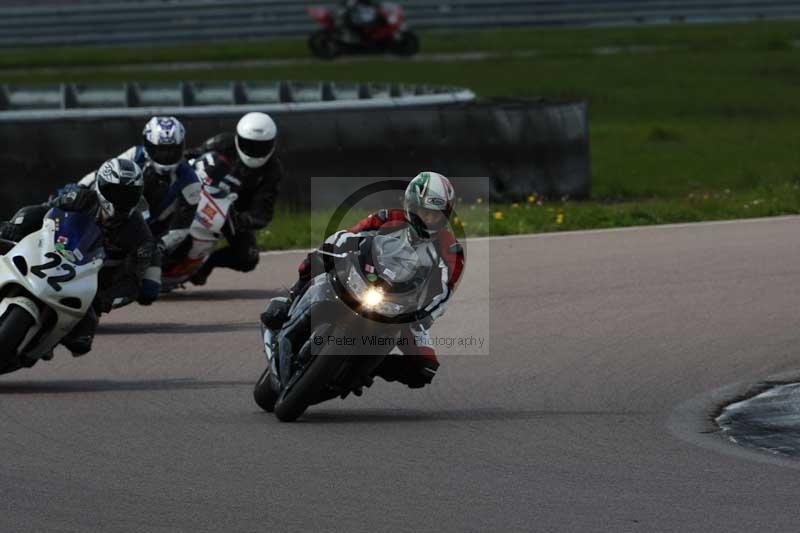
(371, 297)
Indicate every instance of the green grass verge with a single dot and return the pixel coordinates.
(684, 112)
(296, 230)
(561, 41)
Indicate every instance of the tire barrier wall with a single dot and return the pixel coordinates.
(151, 21)
(522, 146)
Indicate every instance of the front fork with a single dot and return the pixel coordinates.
(270, 349)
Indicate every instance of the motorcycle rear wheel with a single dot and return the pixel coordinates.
(14, 326)
(323, 45)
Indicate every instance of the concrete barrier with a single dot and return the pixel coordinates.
(523, 146)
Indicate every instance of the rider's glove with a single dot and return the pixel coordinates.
(77, 199)
(67, 188)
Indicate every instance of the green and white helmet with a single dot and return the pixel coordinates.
(428, 203)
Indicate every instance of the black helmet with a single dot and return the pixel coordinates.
(119, 185)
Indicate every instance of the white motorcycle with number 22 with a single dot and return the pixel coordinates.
(48, 282)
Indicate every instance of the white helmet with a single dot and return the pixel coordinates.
(428, 203)
(256, 134)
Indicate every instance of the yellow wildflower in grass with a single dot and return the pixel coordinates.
(478, 200)
(514, 205)
(498, 215)
(532, 199)
(560, 218)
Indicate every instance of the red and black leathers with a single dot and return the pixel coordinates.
(419, 363)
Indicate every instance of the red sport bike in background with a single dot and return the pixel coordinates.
(336, 38)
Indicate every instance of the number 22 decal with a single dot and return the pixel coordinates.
(55, 262)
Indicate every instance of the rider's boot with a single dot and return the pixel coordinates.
(78, 345)
(79, 340)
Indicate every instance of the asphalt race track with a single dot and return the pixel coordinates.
(608, 351)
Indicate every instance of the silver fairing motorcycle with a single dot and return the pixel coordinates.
(48, 281)
(342, 327)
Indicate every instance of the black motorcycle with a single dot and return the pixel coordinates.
(343, 326)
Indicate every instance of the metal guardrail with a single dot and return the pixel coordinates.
(174, 21)
(201, 98)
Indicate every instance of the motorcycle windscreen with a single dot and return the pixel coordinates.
(404, 274)
(78, 238)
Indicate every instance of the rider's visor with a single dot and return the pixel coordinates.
(256, 149)
(116, 199)
(164, 154)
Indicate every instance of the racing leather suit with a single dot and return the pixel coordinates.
(130, 250)
(418, 365)
(170, 200)
(254, 208)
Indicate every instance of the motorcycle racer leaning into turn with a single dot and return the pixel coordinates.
(428, 206)
(171, 186)
(247, 160)
(128, 270)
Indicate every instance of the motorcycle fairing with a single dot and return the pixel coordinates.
(207, 228)
(57, 265)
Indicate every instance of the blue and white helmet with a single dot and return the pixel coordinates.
(164, 141)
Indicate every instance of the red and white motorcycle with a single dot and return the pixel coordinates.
(186, 250)
(334, 38)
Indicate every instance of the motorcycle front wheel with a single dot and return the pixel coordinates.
(14, 326)
(266, 391)
(323, 45)
(294, 400)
